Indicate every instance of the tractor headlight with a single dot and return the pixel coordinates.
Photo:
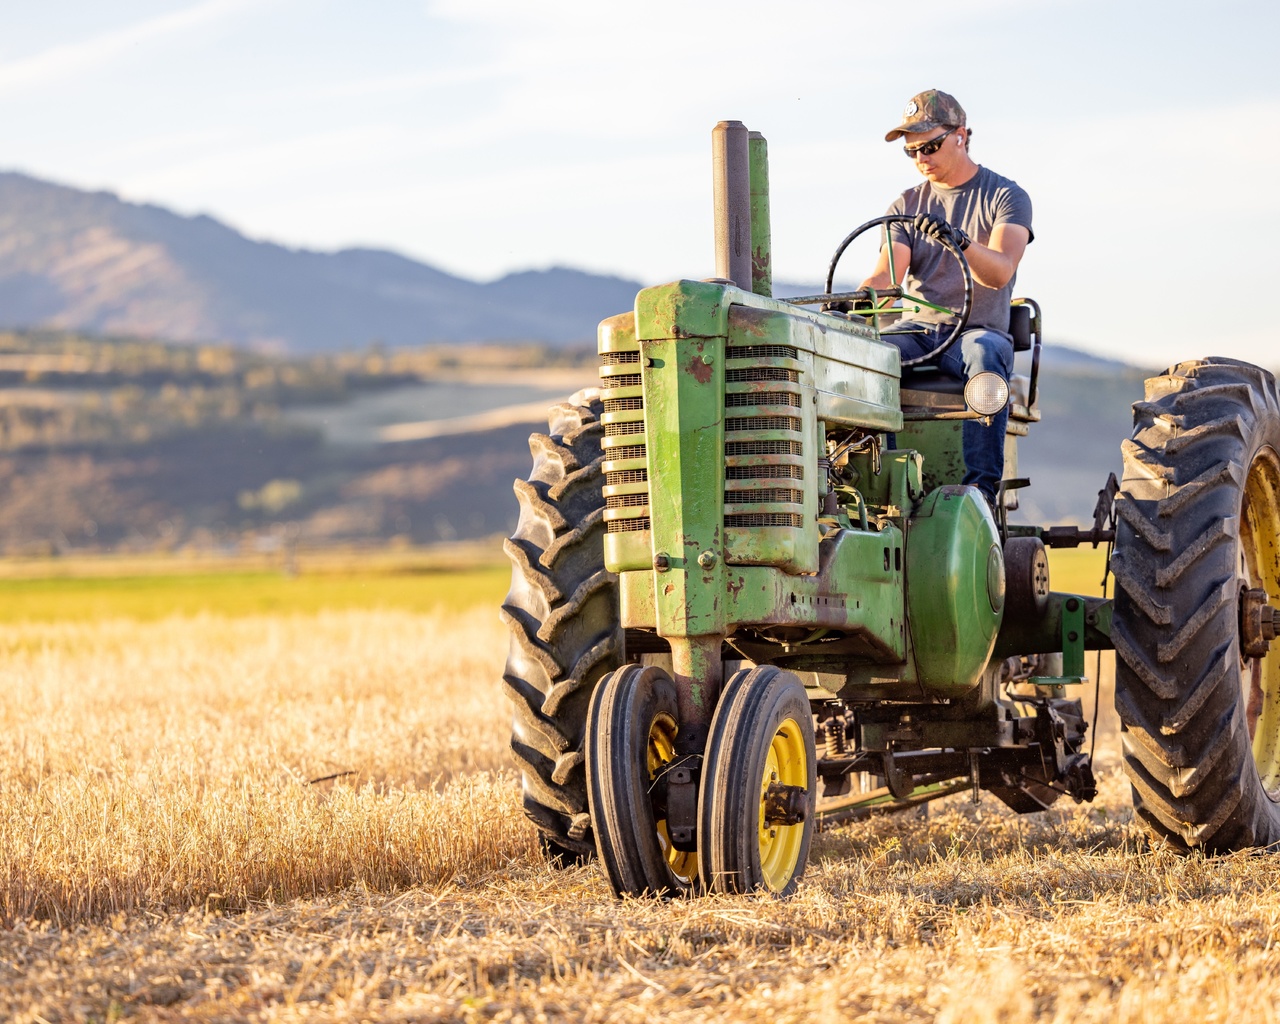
(986, 393)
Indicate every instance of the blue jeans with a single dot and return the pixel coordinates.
(975, 350)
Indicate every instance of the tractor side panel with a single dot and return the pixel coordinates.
(940, 442)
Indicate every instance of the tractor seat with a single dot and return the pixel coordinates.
(928, 392)
(930, 378)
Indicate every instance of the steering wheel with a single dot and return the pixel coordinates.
(961, 314)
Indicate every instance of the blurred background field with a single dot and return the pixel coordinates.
(455, 577)
(119, 448)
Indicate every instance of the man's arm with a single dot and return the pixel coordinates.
(995, 263)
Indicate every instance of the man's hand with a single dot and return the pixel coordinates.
(938, 229)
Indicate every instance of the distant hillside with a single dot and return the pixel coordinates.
(72, 260)
(108, 444)
(88, 261)
(1086, 409)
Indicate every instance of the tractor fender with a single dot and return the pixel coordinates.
(955, 584)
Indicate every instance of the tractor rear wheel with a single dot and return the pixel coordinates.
(1197, 567)
(562, 611)
(757, 805)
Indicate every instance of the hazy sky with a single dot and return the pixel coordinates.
(484, 136)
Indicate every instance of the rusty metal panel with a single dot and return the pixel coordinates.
(859, 589)
(852, 376)
(684, 436)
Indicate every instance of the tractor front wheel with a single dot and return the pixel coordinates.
(1197, 567)
(631, 733)
(759, 784)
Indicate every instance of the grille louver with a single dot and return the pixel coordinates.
(758, 437)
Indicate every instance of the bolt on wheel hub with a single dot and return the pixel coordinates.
(1258, 622)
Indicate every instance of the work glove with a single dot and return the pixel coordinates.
(935, 227)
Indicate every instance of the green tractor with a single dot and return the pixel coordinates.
(750, 594)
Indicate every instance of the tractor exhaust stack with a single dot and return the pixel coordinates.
(761, 234)
(731, 184)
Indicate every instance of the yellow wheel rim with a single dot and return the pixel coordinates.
(1260, 568)
(662, 748)
(780, 845)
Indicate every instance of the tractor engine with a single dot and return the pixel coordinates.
(750, 499)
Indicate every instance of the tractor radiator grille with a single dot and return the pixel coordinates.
(633, 481)
(764, 472)
(752, 374)
(764, 448)
(769, 384)
(628, 525)
(764, 496)
(735, 399)
(751, 519)
(762, 423)
(763, 352)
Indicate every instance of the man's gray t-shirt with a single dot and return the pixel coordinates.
(977, 206)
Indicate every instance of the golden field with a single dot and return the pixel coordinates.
(167, 851)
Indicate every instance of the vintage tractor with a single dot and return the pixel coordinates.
(750, 594)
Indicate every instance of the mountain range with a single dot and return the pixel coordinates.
(168, 451)
(92, 262)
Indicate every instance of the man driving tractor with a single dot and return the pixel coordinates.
(989, 218)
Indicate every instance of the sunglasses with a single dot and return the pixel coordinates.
(928, 148)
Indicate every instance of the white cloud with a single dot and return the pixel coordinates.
(1154, 242)
(60, 63)
(390, 85)
(264, 162)
(490, 135)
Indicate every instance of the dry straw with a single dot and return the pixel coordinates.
(171, 766)
(164, 855)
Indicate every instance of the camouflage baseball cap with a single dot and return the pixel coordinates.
(926, 111)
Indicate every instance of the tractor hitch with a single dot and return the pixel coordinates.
(1028, 762)
(1103, 530)
(1073, 536)
(1104, 522)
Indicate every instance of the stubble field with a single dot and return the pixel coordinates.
(249, 814)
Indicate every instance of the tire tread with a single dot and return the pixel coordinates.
(1186, 743)
(561, 614)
